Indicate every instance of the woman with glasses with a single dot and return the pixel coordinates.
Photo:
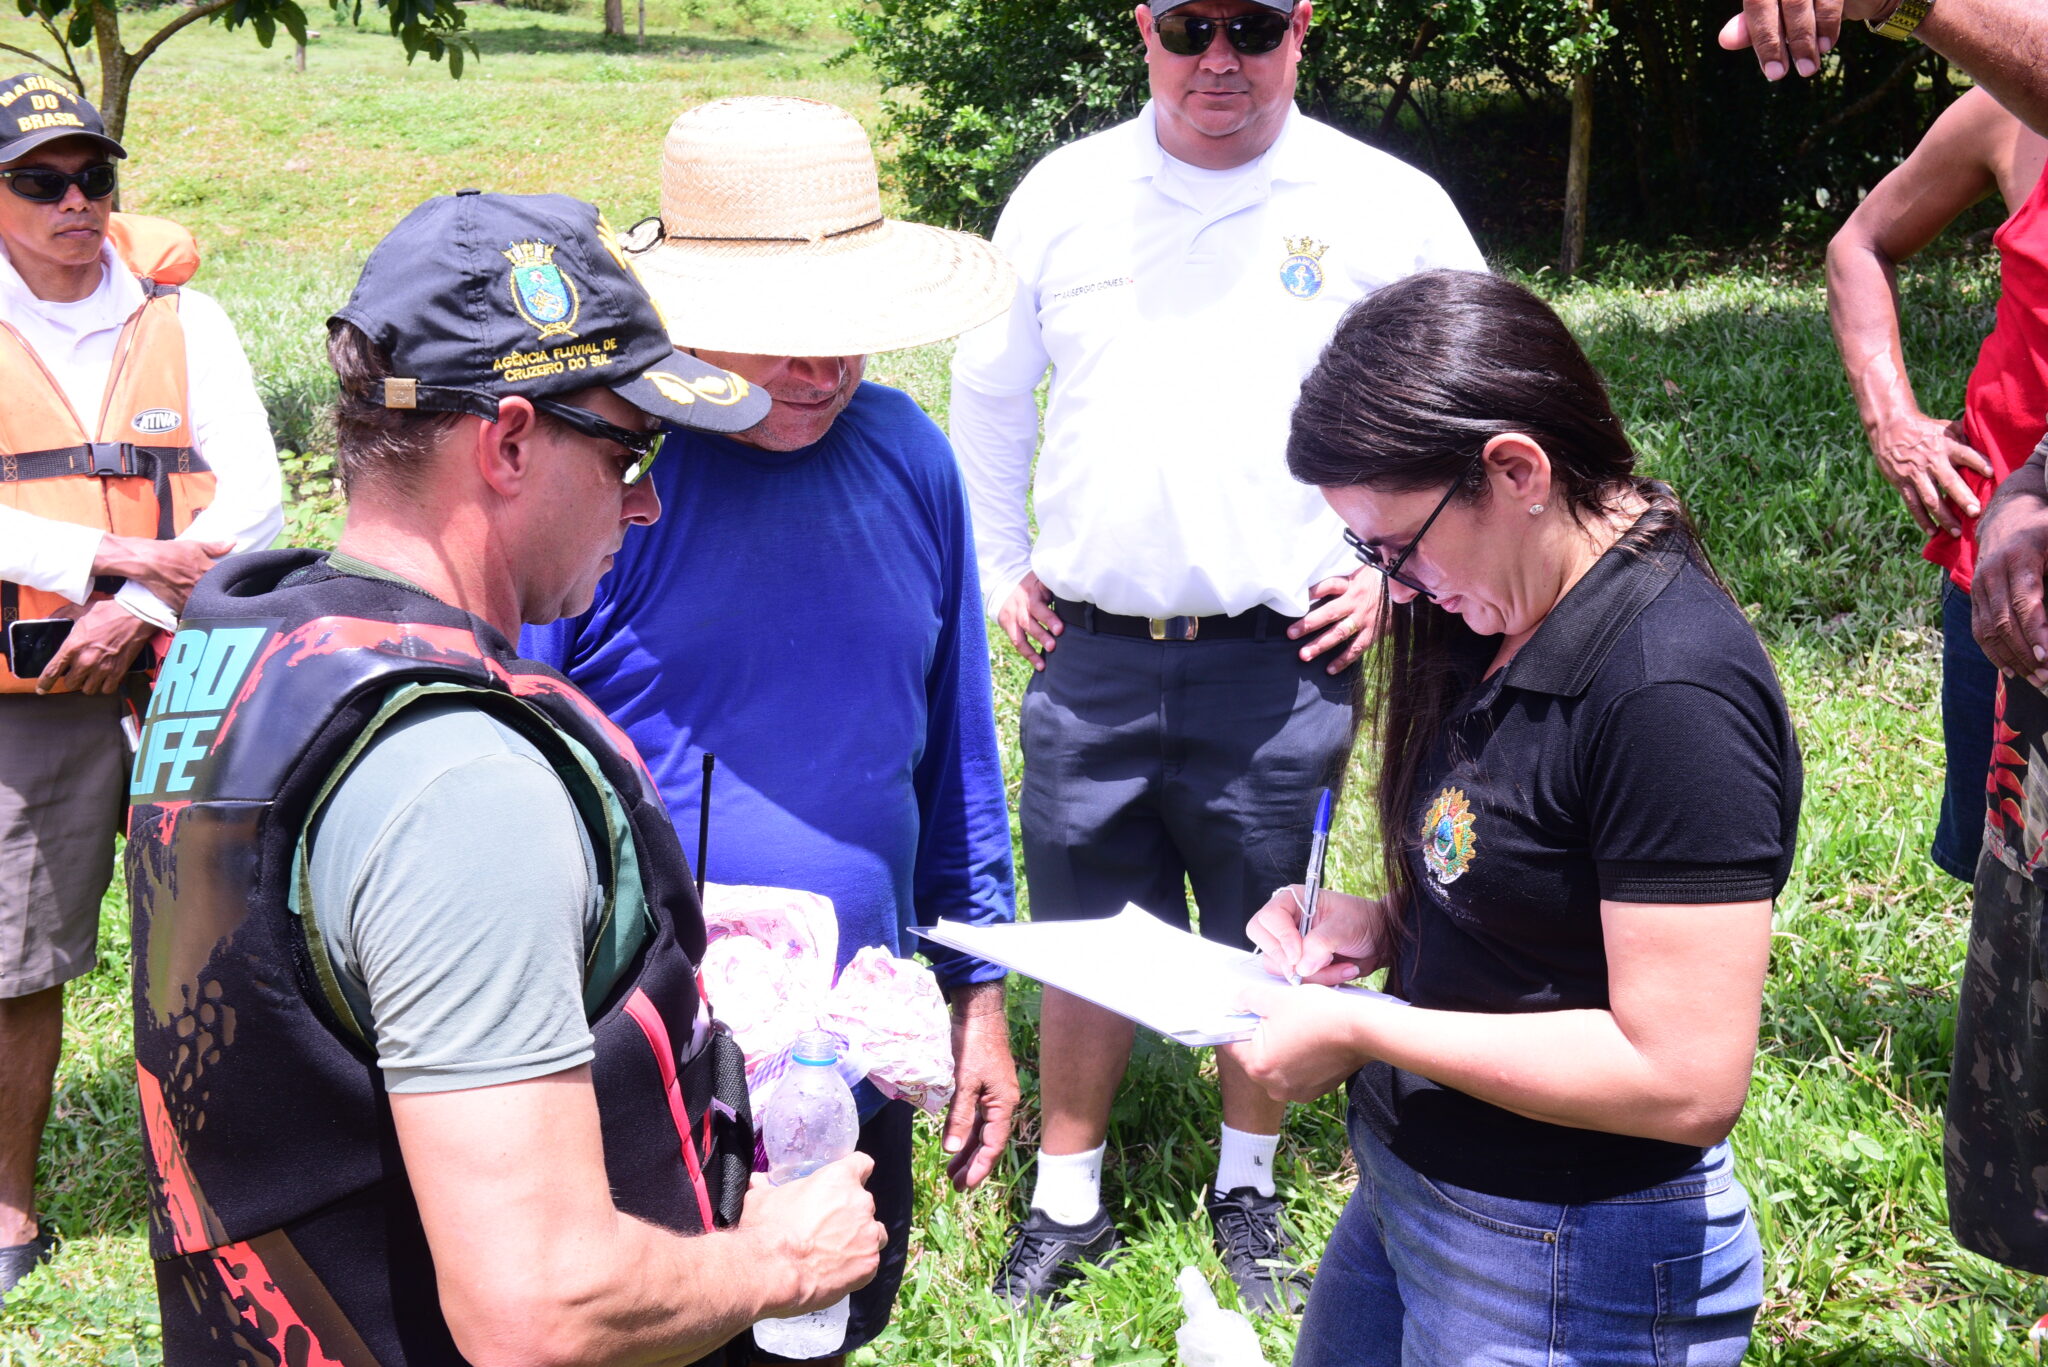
(1587, 792)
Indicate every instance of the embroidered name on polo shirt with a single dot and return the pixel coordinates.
(1115, 282)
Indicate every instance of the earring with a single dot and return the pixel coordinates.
(1535, 509)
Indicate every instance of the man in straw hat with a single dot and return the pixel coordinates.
(1193, 614)
(808, 610)
(424, 1073)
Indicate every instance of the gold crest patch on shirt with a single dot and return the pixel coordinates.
(1447, 840)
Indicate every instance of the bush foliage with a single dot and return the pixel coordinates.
(1687, 138)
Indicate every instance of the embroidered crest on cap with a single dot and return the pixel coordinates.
(1301, 274)
(544, 296)
(1447, 840)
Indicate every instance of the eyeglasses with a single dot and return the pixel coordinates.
(46, 185)
(1373, 556)
(1189, 35)
(642, 446)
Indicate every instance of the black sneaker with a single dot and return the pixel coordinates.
(1045, 1255)
(1246, 1227)
(18, 1260)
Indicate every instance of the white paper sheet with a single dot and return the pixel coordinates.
(1132, 963)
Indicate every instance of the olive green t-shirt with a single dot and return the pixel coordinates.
(457, 891)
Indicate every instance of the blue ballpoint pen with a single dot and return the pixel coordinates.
(1319, 844)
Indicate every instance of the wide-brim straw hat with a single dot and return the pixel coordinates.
(772, 241)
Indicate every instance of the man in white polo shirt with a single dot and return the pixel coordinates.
(1193, 613)
(134, 452)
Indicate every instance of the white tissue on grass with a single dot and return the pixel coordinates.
(1211, 1335)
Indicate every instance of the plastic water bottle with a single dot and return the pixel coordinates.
(809, 1122)
(1212, 1336)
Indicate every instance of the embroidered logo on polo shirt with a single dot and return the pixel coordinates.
(1447, 841)
(1301, 274)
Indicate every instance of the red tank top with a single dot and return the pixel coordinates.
(2005, 409)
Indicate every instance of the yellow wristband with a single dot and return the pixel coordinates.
(1903, 19)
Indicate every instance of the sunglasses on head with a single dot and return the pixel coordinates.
(642, 446)
(1189, 35)
(46, 185)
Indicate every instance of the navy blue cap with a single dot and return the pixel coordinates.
(34, 109)
(475, 297)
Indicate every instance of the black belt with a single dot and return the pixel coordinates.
(1256, 624)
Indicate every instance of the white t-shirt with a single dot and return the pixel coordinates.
(1179, 310)
(230, 428)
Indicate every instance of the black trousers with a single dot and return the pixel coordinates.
(1153, 766)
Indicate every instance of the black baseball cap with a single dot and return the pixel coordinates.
(475, 297)
(36, 109)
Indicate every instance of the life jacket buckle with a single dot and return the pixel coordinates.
(112, 458)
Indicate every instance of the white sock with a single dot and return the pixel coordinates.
(1069, 1185)
(1247, 1161)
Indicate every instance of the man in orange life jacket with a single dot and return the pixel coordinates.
(425, 1077)
(133, 453)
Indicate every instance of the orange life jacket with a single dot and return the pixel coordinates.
(132, 471)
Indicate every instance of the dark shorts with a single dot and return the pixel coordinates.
(1995, 1142)
(886, 1139)
(1152, 766)
(63, 784)
(1968, 682)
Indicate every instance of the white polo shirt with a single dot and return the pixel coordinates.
(230, 428)
(1179, 310)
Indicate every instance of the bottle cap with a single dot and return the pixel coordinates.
(815, 1047)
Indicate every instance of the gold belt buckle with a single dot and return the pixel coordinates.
(1174, 628)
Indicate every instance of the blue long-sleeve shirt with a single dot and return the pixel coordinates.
(813, 619)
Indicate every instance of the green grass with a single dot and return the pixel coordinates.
(1722, 369)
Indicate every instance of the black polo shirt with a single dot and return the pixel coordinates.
(1636, 749)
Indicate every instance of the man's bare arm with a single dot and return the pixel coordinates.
(2005, 594)
(537, 1268)
(2003, 44)
(1956, 164)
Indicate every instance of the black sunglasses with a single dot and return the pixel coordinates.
(642, 446)
(1373, 556)
(1189, 35)
(45, 185)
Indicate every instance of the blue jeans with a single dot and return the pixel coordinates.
(1424, 1274)
(1969, 688)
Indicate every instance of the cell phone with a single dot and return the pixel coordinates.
(32, 644)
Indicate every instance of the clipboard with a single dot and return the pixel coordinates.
(1168, 980)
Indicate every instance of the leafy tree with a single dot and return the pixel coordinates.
(433, 27)
(983, 89)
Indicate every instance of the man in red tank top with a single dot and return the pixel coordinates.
(1945, 471)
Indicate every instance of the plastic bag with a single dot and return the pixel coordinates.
(768, 975)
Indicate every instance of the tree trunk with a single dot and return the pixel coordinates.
(641, 36)
(117, 68)
(615, 18)
(1578, 175)
(1400, 96)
